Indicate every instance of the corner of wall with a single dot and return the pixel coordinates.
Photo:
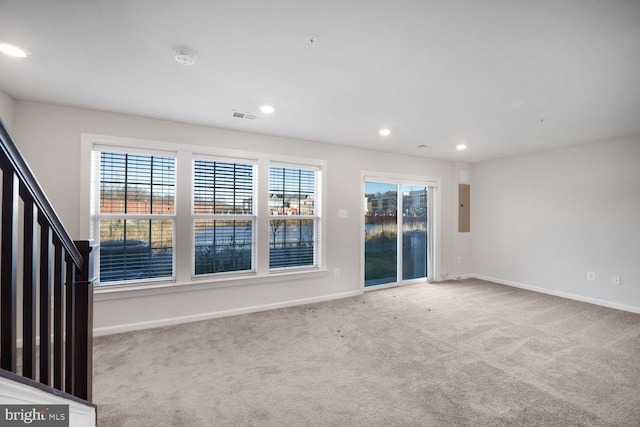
(543, 220)
(7, 110)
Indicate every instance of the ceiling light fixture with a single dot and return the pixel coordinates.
(267, 109)
(461, 147)
(185, 57)
(13, 50)
(384, 132)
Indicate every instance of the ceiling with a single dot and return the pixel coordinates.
(505, 77)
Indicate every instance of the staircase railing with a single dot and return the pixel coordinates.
(55, 304)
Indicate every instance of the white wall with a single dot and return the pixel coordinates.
(539, 221)
(543, 220)
(7, 109)
(49, 137)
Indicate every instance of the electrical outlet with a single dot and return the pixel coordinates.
(459, 260)
(343, 213)
(336, 272)
(591, 275)
(617, 280)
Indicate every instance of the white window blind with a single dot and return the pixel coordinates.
(223, 198)
(186, 214)
(136, 217)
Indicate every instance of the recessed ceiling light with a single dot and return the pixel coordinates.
(461, 147)
(13, 50)
(185, 57)
(384, 132)
(267, 109)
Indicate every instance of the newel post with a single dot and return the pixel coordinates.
(83, 320)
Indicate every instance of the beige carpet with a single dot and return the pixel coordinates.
(468, 353)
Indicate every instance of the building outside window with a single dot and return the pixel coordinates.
(293, 223)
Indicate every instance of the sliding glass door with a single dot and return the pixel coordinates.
(396, 241)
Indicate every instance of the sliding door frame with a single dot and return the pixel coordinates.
(433, 221)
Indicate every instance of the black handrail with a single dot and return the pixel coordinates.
(57, 277)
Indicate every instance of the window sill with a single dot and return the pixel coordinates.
(107, 293)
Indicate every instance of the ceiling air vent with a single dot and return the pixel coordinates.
(241, 115)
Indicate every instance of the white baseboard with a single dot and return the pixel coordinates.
(458, 277)
(581, 298)
(108, 330)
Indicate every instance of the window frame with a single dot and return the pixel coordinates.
(98, 216)
(253, 217)
(434, 216)
(184, 279)
(316, 217)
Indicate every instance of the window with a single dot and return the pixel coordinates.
(136, 218)
(223, 216)
(176, 214)
(293, 223)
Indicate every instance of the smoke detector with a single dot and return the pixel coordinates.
(312, 40)
(185, 57)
